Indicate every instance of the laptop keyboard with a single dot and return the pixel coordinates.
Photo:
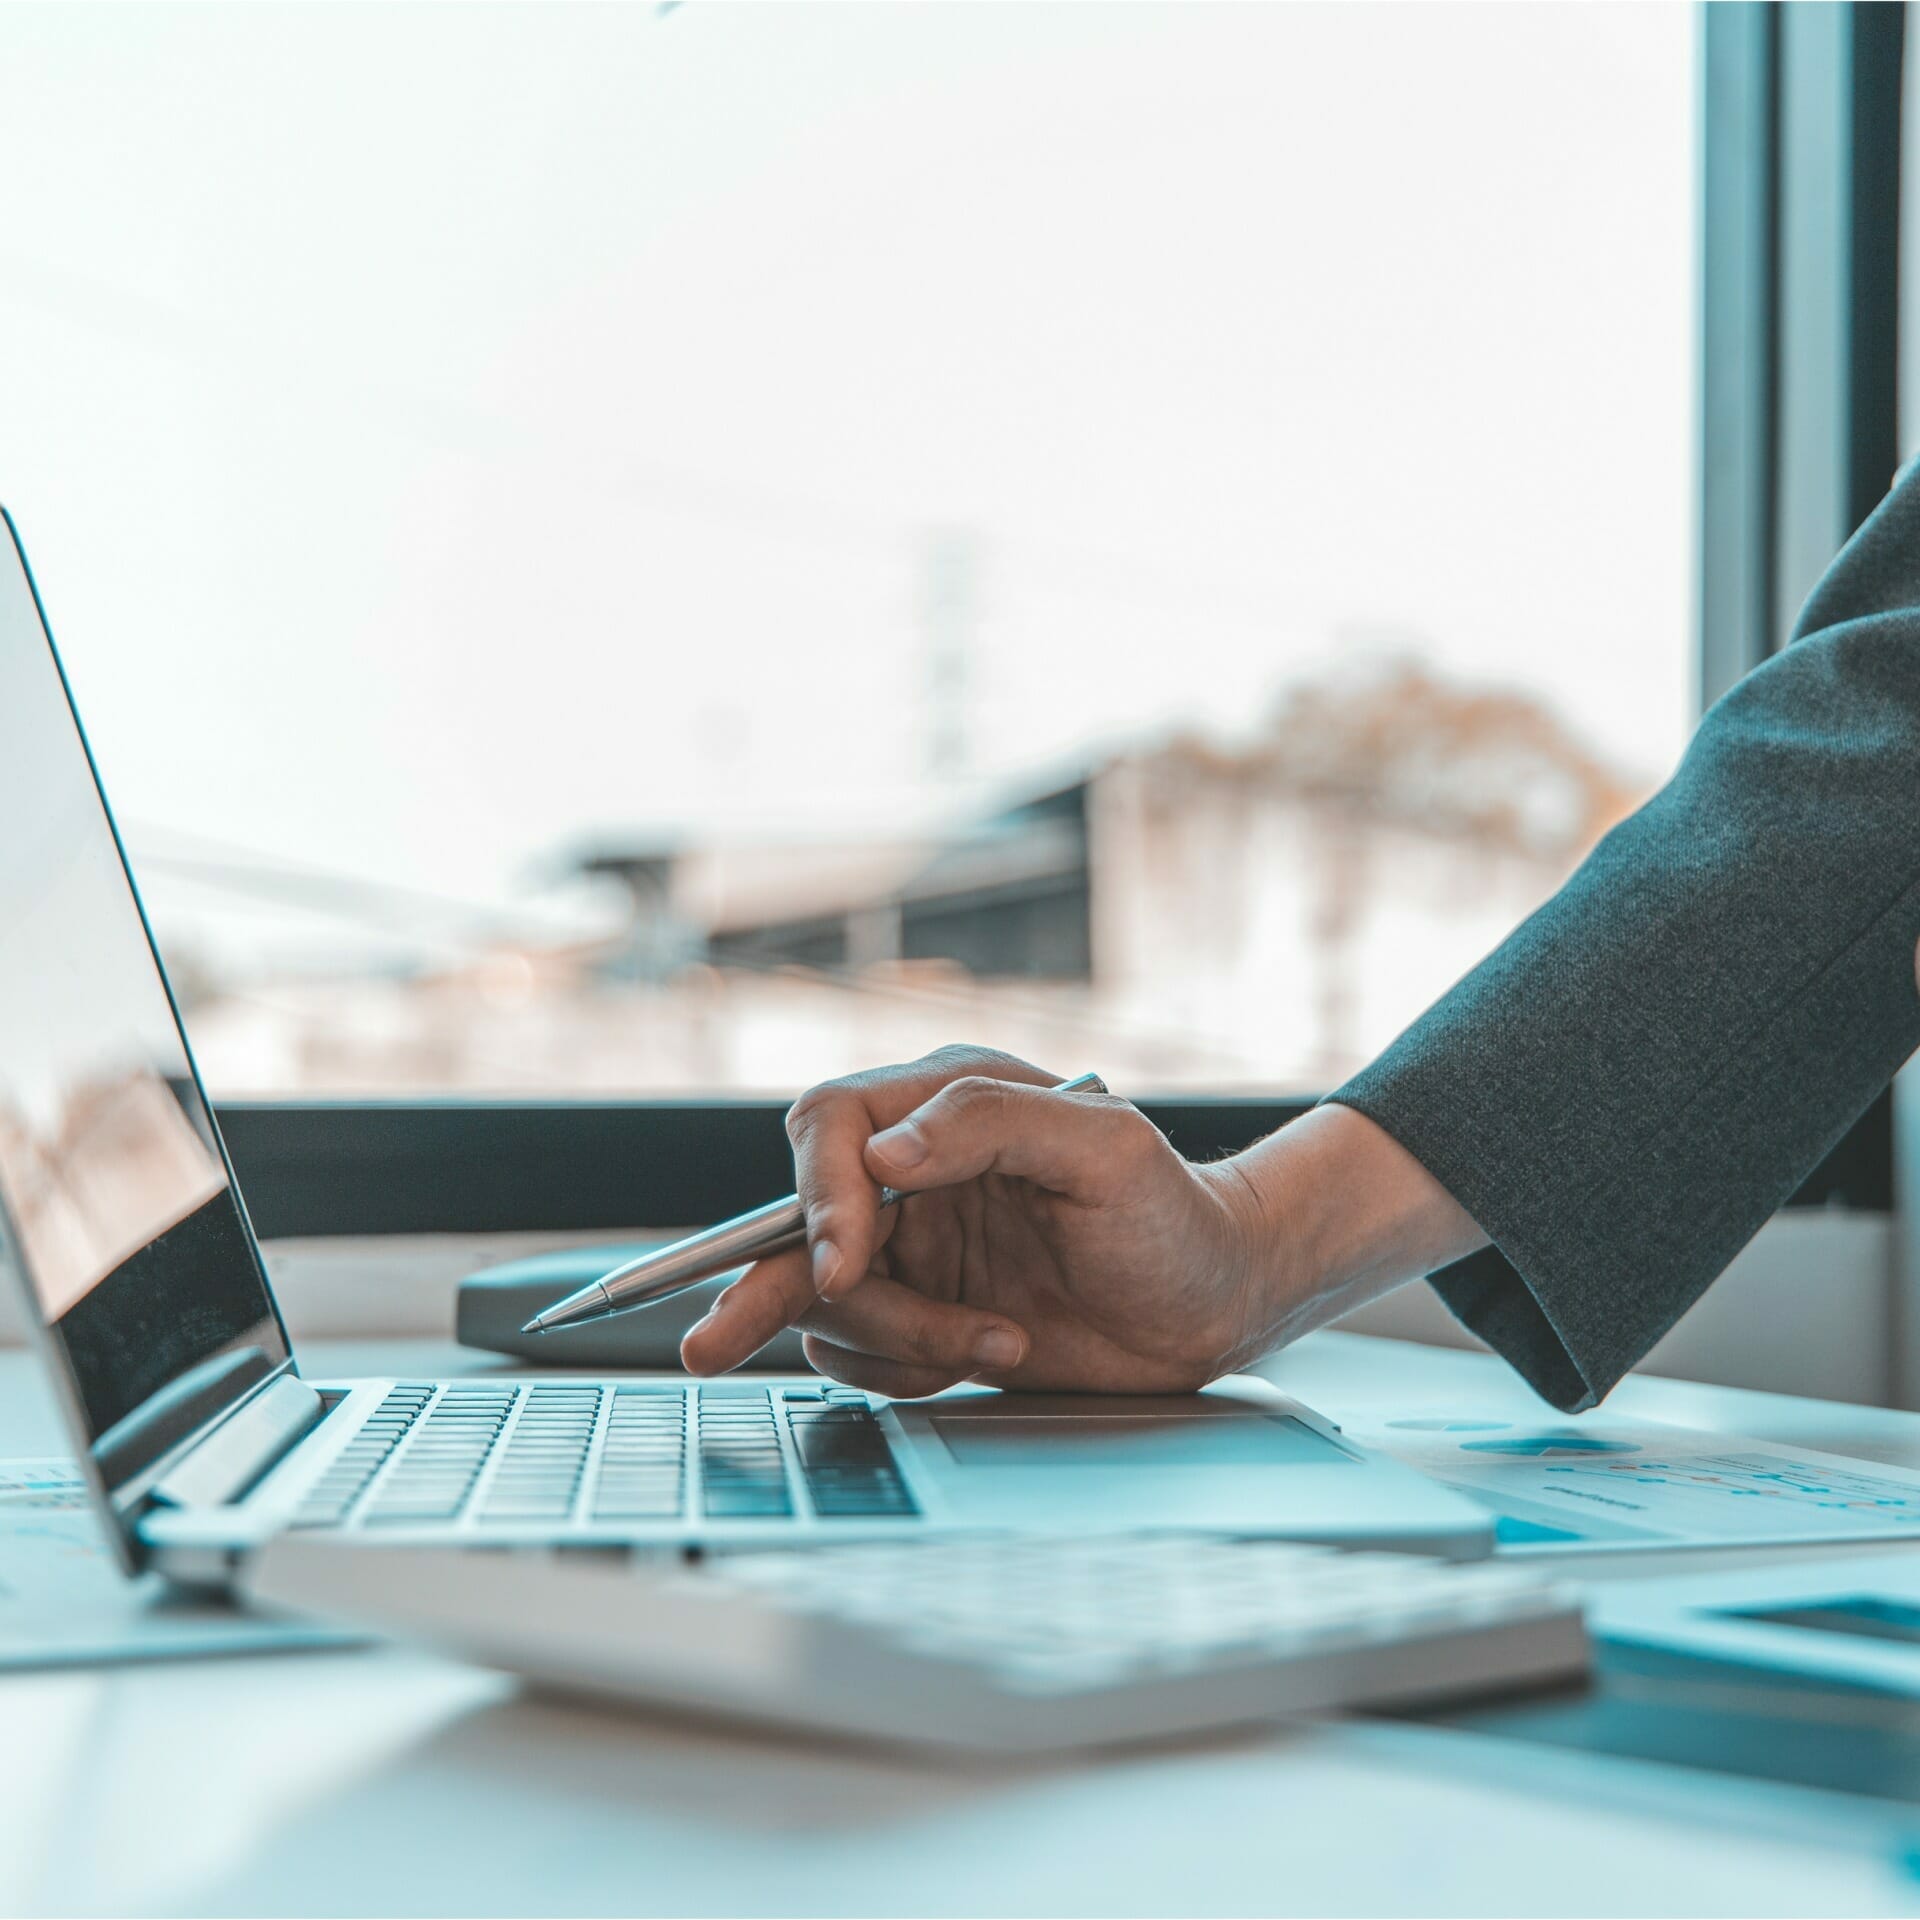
(555, 1455)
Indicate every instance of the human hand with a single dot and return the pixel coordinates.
(1046, 1240)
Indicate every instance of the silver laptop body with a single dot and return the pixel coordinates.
(122, 1221)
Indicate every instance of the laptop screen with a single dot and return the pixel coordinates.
(117, 1208)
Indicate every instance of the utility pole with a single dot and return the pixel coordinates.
(949, 617)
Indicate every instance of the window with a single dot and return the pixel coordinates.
(624, 550)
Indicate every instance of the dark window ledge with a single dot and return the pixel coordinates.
(316, 1168)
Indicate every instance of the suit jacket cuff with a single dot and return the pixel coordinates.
(1487, 1295)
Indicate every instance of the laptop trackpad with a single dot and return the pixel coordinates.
(1130, 1443)
(1232, 1456)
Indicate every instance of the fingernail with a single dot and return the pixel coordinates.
(905, 1145)
(999, 1348)
(701, 1325)
(826, 1263)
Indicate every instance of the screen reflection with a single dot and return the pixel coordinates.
(114, 1194)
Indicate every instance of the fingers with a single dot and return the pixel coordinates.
(881, 1321)
(890, 1377)
(888, 1321)
(1084, 1145)
(765, 1300)
(830, 1126)
(958, 1125)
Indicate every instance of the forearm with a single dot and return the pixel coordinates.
(1337, 1213)
(1627, 1087)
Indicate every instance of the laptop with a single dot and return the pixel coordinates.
(201, 1438)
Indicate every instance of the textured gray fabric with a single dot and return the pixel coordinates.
(1624, 1091)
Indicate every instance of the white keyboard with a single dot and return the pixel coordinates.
(989, 1645)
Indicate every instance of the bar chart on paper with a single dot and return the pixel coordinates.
(1604, 1484)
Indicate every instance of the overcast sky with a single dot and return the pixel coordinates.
(446, 433)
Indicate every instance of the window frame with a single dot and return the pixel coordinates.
(1799, 164)
(322, 1168)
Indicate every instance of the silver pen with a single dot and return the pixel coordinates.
(661, 1274)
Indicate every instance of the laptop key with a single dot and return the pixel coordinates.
(747, 1503)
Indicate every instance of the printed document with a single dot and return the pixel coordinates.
(65, 1603)
(1577, 1486)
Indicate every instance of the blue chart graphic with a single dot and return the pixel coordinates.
(1536, 1445)
(1509, 1530)
(1772, 1477)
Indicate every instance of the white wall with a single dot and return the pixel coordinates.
(1807, 1308)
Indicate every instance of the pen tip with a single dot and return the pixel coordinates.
(533, 1326)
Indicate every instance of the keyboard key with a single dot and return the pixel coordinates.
(741, 1503)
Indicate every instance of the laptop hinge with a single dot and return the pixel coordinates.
(243, 1447)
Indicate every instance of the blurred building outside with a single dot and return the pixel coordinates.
(1185, 913)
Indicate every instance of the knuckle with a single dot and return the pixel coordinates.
(954, 1058)
(817, 1108)
(977, 1097)
(1136, 1136)
(927, 1345)
(816, 1320)
(951, 1064)
(822, 1355)
(848, 1366)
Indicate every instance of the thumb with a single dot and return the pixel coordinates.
(1068, 1142)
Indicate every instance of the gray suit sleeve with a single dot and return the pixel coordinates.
(1624, 1090)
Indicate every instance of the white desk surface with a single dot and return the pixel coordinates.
(380, 1782)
